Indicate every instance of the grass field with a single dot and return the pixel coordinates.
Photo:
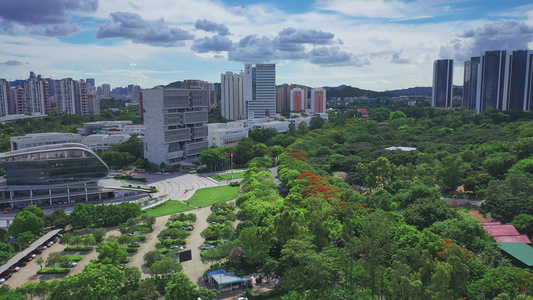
(167, 208)
(224, 177)
(210, 196)
(468, 213)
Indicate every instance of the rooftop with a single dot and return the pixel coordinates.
(520, 251)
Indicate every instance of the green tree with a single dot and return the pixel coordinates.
(111, 253)
(83, 215)
(497, 164)
(99, 234)
(96, 281)
(302, 128)
(510, 197)
(25, 238)
(378, 172)
(451, 171)
(316, 123)
(26, 221)
(57, 219)
(180, 287)
(164, 266)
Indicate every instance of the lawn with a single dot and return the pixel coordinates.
(167, 208)
(224, 177)
(468, 213)
(210, 196)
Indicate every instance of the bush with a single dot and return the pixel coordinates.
(79, 248)
(234, 183)
(173, 233)
(169, 243)
(131, 250)
(74, 258)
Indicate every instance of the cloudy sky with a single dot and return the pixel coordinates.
(370, 44)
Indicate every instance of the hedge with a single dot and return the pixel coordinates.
(54, 271)
(79, 248)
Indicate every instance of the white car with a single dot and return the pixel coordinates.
(2, 280)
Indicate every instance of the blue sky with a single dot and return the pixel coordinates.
(371, 44)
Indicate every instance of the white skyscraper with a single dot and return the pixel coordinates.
(232, 91)
(72, 97)
(260, 90)
(106, 90)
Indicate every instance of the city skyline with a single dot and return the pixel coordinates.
(377, 45)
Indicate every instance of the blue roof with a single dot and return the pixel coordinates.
(216, 272)
(223, 279)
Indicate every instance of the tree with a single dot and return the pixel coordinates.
(302, 128)
(57, 219)
(180, 287)
(96, 281)
(111, 253)
(40, 261)
(451, 171)
(151, 257)
(83, 215)
(4, 235)
(497, 164)
(35, 210)
(99, 234)
(25, 238)
(378, 172)
(165, 266)
(524, 224)
(292, 129)
(425, 212)
(510, 197)
(132, 278)
(316, 123)
(26, 221)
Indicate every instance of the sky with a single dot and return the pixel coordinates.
(371, 44)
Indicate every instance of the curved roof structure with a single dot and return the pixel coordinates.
(56, 163)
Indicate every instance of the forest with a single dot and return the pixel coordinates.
(357, 221)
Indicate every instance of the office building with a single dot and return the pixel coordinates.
(442, 83)
(232, 94)
(176, 124)
(520, 86)
(17, 102)
(90, 82)
(260, 90)
(106, 91)
(470, 85)
(93, 103)
(493, 82)
(318, 101)
(297, 101)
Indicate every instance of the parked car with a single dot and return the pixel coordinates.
(188, 228)
(14, 269)
(215, 223)
(2, 280)
(73, 264)
(180, 247)
(134, 245)
(207, 246)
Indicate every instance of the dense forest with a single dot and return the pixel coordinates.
(357, 221)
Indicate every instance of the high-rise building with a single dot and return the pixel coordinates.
(297, 101)
(17, 103)
(90, 82)
(260, 90)
(520, 87)
(106, 90)
(37, 94)
(72, 97)
(4, 97)
(492, 80)
(283, 98)
(232, 93)
(176, 124)
(470, 85)
(93, 103)
(318, 101)
(442, 83)
(200, 84)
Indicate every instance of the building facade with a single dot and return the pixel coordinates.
(37, 95)
(260, 90)
(493, 80)
(520, 86)
(318, 101)
(102, 142)
(176, 124)
(4, 97)
(442, 83)
(232, 93)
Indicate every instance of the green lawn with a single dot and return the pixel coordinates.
(210, 196)
(224, 177)
(167, 208)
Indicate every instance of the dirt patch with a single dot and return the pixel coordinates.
(476, 215)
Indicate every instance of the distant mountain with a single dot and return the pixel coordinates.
(343, 91)
(419, 90)
(340, 87)
(173, 85)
